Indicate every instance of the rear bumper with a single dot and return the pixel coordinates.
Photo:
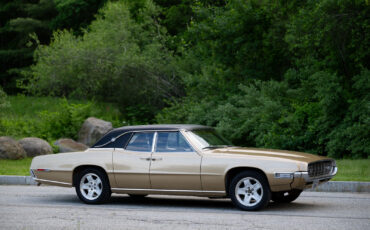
(49, 177)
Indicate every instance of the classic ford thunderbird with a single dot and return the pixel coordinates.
(182, 160)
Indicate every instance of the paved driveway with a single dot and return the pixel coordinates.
(47, 207)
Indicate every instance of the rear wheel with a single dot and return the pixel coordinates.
(286, 197)
(92, 186)
(250, 191)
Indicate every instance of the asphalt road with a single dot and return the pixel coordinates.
(46, 207)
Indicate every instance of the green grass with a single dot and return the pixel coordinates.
(353, 170)
(15, 167)
(348, 170)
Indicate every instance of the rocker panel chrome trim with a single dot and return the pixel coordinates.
(166, 190)
(52, 181)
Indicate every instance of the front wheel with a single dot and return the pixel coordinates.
(92, 186)
(285, 197)
(250, 191)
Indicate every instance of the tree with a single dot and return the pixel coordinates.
(279, 74)
(120, 58)
(21, 18)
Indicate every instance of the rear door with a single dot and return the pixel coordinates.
(131, 165)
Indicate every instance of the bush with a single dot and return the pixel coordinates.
(314, 114)
(3, 99)
(51, 118)
(121, 58)
(277, 74)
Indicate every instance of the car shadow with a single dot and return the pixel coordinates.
(203, 203)
(172, 201)
(178, 202)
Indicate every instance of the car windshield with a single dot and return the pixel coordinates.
(209, 138)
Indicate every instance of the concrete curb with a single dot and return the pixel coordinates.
(343, 186)
(16, 180)
(331, 186)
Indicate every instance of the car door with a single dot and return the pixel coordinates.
(175, 165)
(131, 165)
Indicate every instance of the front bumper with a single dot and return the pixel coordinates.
(301, 180)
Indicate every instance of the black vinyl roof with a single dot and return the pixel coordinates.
(107, 142)
(162, 127)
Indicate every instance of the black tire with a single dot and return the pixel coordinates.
(102, 186)
(138, 196)
(256, 195)
(285, 197)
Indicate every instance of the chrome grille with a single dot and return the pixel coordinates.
(320, 168)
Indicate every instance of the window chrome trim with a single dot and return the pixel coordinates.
(154, 144)
(146, 131)
(113, 139)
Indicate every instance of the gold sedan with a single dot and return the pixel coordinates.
(182, 160)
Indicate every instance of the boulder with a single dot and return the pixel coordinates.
(92, 130)
(35, 146)
(11, 149)
(69, 145)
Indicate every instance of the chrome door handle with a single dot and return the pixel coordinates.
(157, 159)
(145, 158)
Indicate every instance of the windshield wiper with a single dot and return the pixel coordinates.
(216, 146)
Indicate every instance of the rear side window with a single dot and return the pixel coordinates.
(141, 142)
(109, 141)
(120, 142)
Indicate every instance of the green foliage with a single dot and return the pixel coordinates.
(234, 44)
(277, 74)
(19, 19)
(333, 33)
(75, 14)
(50, 118)
(280, 75)
(351, 137)
(3, 99)
(64, 123)
(314, 117)
(119, 59)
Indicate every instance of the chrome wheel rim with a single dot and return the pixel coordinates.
(91, 186)
(249, 191)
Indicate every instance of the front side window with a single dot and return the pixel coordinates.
(172, 142)
(141, 142)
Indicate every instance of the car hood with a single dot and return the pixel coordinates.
(269, 153)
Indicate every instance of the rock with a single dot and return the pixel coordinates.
(35, 146)
(92, 130)
(69, 145)
(11, 149)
